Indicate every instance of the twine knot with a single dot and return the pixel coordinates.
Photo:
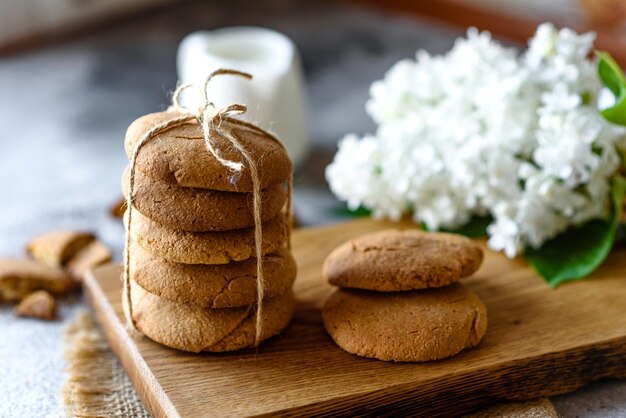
(210, 117)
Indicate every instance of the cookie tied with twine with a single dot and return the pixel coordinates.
(217, 125)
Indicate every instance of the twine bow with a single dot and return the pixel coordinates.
(210, 119)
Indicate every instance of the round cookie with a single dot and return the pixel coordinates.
(194, 329)
(393, 260)
(213, 286)
(200, 210)
(179, 155)
(205, 247)
(415, 326)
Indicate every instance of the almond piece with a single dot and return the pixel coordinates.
(40, 305)
(19, 278)
(94, 254)
(118, 208)
(56, 248)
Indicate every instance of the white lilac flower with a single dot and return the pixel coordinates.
(360, 180)
(485, 130)
(565, 145)
(504, 236)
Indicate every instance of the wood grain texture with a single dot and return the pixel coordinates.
(539, 342)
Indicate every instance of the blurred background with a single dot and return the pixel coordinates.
(75, 73)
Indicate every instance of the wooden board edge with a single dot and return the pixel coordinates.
(544, 377)
(155, 400)
(541, 375)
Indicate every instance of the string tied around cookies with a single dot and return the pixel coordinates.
(210, 119)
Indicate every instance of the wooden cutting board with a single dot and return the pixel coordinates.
(539, 342)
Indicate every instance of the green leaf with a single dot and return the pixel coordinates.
(620, 235)
(344, 211)
(613, 78)
(577, 252)
(476, 227)
(609, 72)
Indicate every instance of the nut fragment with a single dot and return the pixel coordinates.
(94, 254)
(19, 278)
(118, 208)
(40, 305)
(56, 248)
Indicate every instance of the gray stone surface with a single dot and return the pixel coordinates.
(64, 111)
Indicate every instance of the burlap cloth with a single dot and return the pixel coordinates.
(97, 385)
(538, 408)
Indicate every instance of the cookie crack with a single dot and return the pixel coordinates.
(227, 288)
(382, 248)
(249, 313)
(455, 301)
(473, 331)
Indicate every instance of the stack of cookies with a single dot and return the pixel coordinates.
(192, 258)
(399, 299)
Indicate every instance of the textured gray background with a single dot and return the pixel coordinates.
(64, 110)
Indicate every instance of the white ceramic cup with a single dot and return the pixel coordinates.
(274, 96)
